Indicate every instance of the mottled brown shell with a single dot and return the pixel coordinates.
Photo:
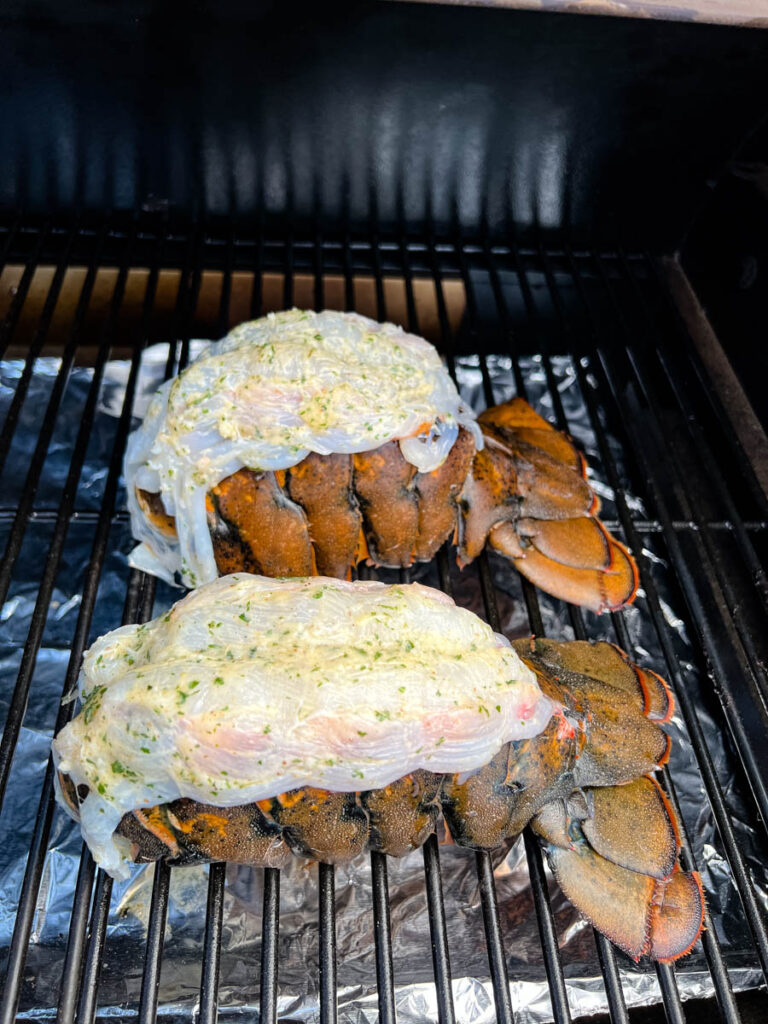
(583, 784)
(525, 493)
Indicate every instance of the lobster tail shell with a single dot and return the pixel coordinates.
(402, 816)
(677, 917)
(525, 493)
(598, 588)
(610, 827)
(257, 528)
(187, 832)
(582, 784)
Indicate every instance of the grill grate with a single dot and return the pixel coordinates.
(661, 433)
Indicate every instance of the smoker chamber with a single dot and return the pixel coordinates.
(510, 185)
(677, 486)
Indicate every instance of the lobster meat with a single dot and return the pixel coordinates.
(312, 499)
(398, 687)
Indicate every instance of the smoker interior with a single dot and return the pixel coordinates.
(677, 486)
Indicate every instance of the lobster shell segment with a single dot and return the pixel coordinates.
(517, 417)
(323, 486)
(623, 743)
(677, 918)
(597, 589)
(614, 853)
(613, 842)
(611, 827)
(257, 528)
(645, 916)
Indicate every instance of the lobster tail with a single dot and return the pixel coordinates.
(625, 878)
(582, 783)
(525, 492)
(529, 498)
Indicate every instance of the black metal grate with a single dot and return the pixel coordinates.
(661, 432)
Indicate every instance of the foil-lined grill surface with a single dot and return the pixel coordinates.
(298, 978)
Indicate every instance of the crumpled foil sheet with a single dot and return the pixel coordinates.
(298, 957)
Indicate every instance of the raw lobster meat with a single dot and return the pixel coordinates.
(577, 764)
(516, 482)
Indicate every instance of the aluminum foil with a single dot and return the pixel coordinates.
(298, 959)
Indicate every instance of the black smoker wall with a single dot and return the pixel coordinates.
(608, 129)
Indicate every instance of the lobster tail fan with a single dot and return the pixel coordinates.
(614, 853)
(596, 588)
(613, 841)
(530, 499)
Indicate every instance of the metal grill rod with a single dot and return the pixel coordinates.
(382, 928)
(494, 939)
(438, 932)
(214, 915)
(270, 932)
(74, 959)
(385, 980)
(11, 318)
(327, 922)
